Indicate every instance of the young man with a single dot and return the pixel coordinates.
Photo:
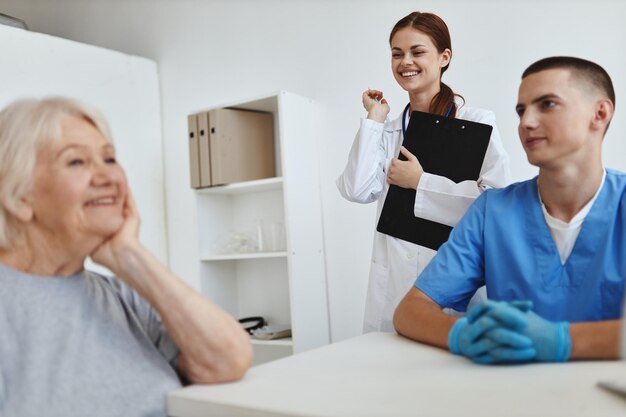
(551, 250)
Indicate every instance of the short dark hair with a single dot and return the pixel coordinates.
(582, 68)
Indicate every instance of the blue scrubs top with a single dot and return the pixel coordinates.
(503, 242)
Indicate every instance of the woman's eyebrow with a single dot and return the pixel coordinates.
(412, 47)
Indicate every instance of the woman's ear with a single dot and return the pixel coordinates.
(20, 208)
(445, 58)
(603, 114)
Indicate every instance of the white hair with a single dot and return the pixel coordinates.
(25, 126)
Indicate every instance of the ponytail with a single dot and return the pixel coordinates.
(444, 101)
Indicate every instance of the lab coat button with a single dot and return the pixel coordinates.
(410, 255)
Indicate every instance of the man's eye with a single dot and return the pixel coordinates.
(547, 104)
(519, 111)
(110, 160)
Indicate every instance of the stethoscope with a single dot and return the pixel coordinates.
(406, 111)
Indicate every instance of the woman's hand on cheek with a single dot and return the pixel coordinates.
(111, 252)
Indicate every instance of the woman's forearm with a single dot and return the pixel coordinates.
(214, 347)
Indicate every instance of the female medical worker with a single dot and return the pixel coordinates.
(420, 53)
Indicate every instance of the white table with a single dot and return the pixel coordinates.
(383, 374)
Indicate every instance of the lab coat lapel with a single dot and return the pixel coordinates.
(393, 130)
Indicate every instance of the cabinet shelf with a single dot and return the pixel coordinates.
(242, 256)
(265, 184)
(287, 341)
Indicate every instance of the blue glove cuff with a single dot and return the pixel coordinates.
(453, 336)
(563, 342)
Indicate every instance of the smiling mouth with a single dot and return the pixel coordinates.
(409, 73)
(533, 141)
(105, 201)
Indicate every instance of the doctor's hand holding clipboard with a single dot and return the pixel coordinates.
(421, 52)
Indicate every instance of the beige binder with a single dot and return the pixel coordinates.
(194, 151)
(241, 146)
(205, 151)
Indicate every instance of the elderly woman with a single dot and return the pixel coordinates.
(76, 343)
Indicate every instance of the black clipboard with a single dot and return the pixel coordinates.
(453, 148)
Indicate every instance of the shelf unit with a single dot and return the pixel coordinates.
(288, 285)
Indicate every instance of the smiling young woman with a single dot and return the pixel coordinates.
(421, 51)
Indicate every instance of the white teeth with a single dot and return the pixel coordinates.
(409, 74)
(102, 201)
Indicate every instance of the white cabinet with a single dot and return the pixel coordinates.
(285, 283)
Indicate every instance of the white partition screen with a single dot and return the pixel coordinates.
(125, 88)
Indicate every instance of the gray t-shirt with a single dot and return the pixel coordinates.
(84, 345)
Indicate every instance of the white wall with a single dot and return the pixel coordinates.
(212, 52)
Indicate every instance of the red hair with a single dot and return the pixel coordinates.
(437, 30)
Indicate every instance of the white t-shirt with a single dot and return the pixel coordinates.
(565, 234)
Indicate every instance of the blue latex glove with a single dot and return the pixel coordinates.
(551, 340)
(492, 327)
(502, 311)
(494, 344)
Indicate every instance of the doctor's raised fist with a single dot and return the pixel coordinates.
(376, 105)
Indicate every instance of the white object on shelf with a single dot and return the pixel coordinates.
(284, 280)
(288, 341)
(272, 332)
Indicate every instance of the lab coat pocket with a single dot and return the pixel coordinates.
(612, 298)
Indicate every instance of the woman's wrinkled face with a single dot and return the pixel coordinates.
(79, 188)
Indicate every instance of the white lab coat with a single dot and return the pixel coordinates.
(396, 263)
